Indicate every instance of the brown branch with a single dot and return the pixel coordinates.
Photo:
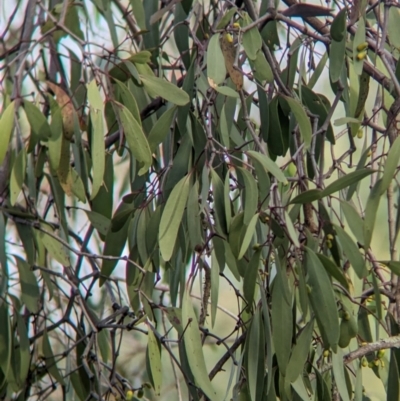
(227, 355)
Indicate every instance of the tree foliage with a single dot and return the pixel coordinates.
(190, 197)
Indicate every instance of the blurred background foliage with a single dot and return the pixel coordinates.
(190, 199)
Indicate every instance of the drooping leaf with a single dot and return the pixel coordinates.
(338, 372)
(136, 139)
(97, 137)
(160, 87)
(269, 165)
(336, 58)
(352, 252)
(300, 352)
(17, 178)
(172, 216)
(302, 120)
(322, 300)
(215, 62)
(252, 40)
(29, 286)
(54, 246)
(161, 128)
(154, 352)
(250, 229)
(346, 181)
(5, 341)
(250, 278)
(338, 27)
(282, 320)
(50, 359)
(194, 349)
(6, 128)
(394, 27)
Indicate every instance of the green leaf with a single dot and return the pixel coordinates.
(250, 194)
(97, 137)
(136, 139)
(338, 372)
(193, 217)
(17, 176)
(216, 70)
(252, 40)
(336, 58)
(346, 120)
(250, 278)
(394, 27)
(351, 251)
(255, 346)
(393, 265)
(268, 165)
(39, 125)
(6, 128)
(172, 216)
(5, 341)
(318, 71)
(161, 129)
(219, 201)
(128, 100)
(300, 352)
(359, 39)
(113, 246)
(391, 165)
(346, 181)
(354, 221)
(224, 21)
(261, 68)
(282, 321)
(55, 248)
(302, 120)
(322, 300)
(160, 87)
(338, 27)
(99, 222)
(250, 229)
(227, 91)
(50, 360)
(194, 349)
(370, 212)
(24, 346)
(293, 235)
(29, 287)
(154, 350)
(333, 270)
(393, 383)
(307, 196)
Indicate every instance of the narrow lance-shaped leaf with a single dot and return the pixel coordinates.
(215, 62)
(161, 128)
(194, 349)
(97, 137)
(172, 217)
(322, 300)
(29, 286)
(6, 127)
(165, 89)
(352, 252)
(155, 360)
(268, 165)
(302, 120)
(136, 139)
(17, 176)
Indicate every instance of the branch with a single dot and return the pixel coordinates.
(390, 342)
